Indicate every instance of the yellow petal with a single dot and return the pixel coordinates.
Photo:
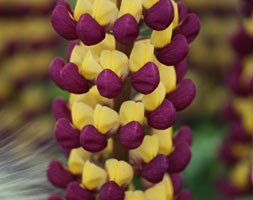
(90, 68)
(107, 44)
(240, 174)
(154, 99)
(131, 111)
(248, 24)
(161, 38)
(148, 149)
(104, 11)
(82, 6)
(142, 53)
(149, 3)
(119, 171)
(114, 60)
(134, 195)
(156, 192)
(105, 118)
(93, 176)
(133, 7)
(78, 54)
(82, 115)
(176, 17)
(77, 159)
(168, 187)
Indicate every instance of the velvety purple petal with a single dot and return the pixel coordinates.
(183, 95)
(55, 70)
(58, 175)
(177, 182)
(182, 10)
(238, 133)
(72, 81)
(109, 84)
(126, 29)
(89, 30)
(146, 79)
(228, 112)
(66, 135)
(189, 27)
(60, 109)
(131, 135)
(76, 192)
(163, 117)
(70, 47)
(91, 140)
(225, 153)
(179, 158)
(184, 134)
(184, 195)
(155, 169)
(55, 196)
(227, 188)
(63, 22)
(181, 70)
(174, 52)
(111, 191)
(160, 15)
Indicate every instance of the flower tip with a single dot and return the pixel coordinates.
(184, 134)
(76, 192)
(111, 191)
(60, 109)
(184, 195)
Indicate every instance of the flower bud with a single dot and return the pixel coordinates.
(183, 95)
(109, 84)
(179, 158)
(55, 70)
(160, 15)
(182, 10)
(60, 109)
(126, 29)
(111, 191)
(181, 69)
(177, 182)
(163, 117)
(174, 52)
(63, 23)
(189, 27)
(76, 192)
(66, 135)
(146, 79)
(155, 169)
(184, 195)
(184, 134)
(89, 30)
(58, 175)
(91, 140)
(131, 135)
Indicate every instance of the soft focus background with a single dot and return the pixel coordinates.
(28, 44)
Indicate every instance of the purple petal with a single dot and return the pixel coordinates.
(184, 134)
(76, 192)
(63, 22)
(109, 84)
(227, 188)
(70, 47)
(181, 70)
(91, 140)
(177, 182)
(184, 195)
(160, 15)
(155, 169)
(146, 79)
(58, 175)
(174, 52)
(182, 10)
(55, 70)
(55, 196)
(131, 135)
(238, 133)
(60, 109)
(89, 30)
(163, 117)
(189, 27)
(111, 191)
(66, 135)
(225, 153)
(72, 81)
(183, 95)
(126, 29)
(247, 7)
(179, 158)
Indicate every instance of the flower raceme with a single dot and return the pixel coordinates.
(125, 92)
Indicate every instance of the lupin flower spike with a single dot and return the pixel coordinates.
(125, 90)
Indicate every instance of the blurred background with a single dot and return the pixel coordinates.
(28, 44)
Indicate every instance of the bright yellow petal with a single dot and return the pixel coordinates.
(119, 171)
(82, 6)
(154, 99)
(240, 175)
(105, 119)
(176, 15)
(149, 3)
(165, 141)
(133, 7)
(93, 176)
(131, 111)
(82, 115)
(77, 159)
(168, 187)
(161, 38)
(156, 192)
(134, 195)
(78, 54)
